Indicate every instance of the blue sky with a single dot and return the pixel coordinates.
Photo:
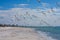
(7, 4)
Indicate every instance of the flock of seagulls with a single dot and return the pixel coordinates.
(34, 16)
(31, 17)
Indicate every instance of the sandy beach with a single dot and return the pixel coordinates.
(18, 33)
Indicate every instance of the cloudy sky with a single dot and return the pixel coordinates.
(30, 12)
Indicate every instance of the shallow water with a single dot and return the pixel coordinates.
(54, 32)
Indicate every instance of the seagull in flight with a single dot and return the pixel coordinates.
(38, 1)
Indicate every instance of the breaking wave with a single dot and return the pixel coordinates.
(44, 36)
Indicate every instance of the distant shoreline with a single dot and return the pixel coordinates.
(8, 25)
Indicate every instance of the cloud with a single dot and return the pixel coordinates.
(21, 5)
(31, 17)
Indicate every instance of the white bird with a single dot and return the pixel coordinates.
(34, 16)
(43, 13)
(45, 22)
(27, 14)
(52, 10)
(17, 18)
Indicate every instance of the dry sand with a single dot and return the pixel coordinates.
(18, 33)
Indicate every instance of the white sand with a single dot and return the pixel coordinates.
(16, 33)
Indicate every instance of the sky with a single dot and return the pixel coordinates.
(30, 12)
(7, 4)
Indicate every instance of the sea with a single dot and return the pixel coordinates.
(53, 32)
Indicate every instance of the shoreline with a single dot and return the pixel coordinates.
(20, 33)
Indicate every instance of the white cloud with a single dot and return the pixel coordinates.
(23, 4)
(31, 17)
(20, 5)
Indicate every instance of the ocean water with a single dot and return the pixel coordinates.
(53, 32)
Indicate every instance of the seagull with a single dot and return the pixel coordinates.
(34, 16)
(52, 10)
(17, 18)
(27, 14)
(38, 1)
(43, 13)
(45, 22)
